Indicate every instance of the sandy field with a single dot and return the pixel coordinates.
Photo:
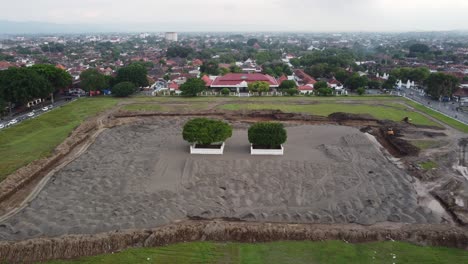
(142, 176)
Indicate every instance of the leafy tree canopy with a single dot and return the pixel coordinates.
(135, 73)
(288, 84)
(56, 77)
(206, 131)
(441, 84)
(93, 80)
(20, 85)
(123, 89)
(192, 87)
(267, 134)
(258, 87)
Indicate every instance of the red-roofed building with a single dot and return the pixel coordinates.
(462, 96)
(305, 89)
(303, 78)
(282, 79)
(5, 65)
(173, 86)
(239, 81)
(197, 62)
(207, 80)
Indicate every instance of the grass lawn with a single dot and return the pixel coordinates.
(428, 165)
(425, 144)
(263, 98)
(176, 106)
(391, 111)
(449, 121)
(36, 138)
(333, 252)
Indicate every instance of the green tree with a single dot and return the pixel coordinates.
(20, 85)
(320, 84)
(441, 84)
(135, 73)
(341, 75)
(324, 91)
(93, 80)
(225, 91)
(123, 89)
(179, 51)
(267, 135)
(192, 87)
(372, 84)
(57, 78)
(252, 42)
(235, 69)
(419, 48)
(292, 91)
(206, 131)
(288, 84)
(390, 83)
(360, 90)
(210, 67)
(356, 81)
(259, 87)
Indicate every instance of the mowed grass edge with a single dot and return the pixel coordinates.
(447, 120)
(333, 252)
(390, 111)
(37, 138)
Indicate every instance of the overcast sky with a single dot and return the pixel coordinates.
(241, 15)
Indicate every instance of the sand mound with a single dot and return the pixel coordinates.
(141, 176)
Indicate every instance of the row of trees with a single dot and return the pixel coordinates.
(21, 85)
(206, 132)
(124, 84)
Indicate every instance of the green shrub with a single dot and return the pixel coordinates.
(206, 131)
(225, 91)
(292, 91)
(267, 134)
(123, 89)
(361, 90)
(324, 92)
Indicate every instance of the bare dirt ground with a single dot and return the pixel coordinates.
(141, 176)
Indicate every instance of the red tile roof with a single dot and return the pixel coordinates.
(282, 79)
(197, 62)
(174, 86)
(233, 79)
(306, 78)
(462, 92)
(305, 88)
(334, 81)
(5, 65)
(207, 80)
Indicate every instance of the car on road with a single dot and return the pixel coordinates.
(12, 122)
(2, 126)
(45, 108)
(31, 114)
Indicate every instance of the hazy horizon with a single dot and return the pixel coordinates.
(240, 15)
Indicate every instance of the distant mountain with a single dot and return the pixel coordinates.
(30, 27)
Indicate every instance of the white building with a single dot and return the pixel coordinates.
(170, 36)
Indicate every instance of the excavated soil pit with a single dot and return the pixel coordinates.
(142, 176)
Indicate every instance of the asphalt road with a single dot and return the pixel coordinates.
(447, 108)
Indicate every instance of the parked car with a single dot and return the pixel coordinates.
(12, 122)
(31, 114)
(45, 108)
(2, 126)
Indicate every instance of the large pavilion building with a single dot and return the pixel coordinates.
(238, 82)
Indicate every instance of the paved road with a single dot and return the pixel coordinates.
(6, 122)
(447, 108)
